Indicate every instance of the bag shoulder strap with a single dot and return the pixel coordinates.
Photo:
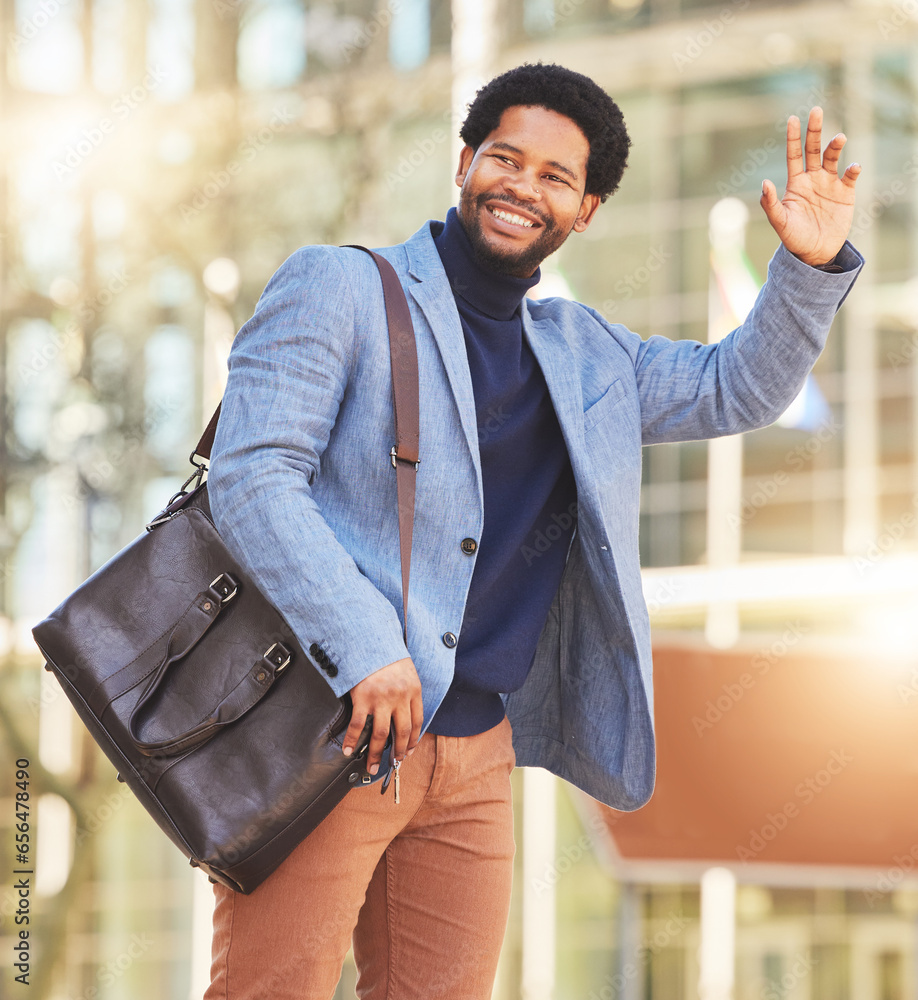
(404, 455)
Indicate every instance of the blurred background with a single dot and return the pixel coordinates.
(159, 159)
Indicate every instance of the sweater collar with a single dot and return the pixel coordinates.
(494, 294)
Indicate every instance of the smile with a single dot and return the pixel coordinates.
(514, 220)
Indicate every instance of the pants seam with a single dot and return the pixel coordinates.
(229, 943)
(390, 922)
(420, 806)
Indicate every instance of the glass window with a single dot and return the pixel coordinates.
(170, 49)
(409, 34)
(272, 45)
(47, 47)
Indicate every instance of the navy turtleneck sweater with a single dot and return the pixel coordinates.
(529, 492)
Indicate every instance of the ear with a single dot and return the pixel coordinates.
(587, 210)
(465, 161)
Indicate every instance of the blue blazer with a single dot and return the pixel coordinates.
(303, 491)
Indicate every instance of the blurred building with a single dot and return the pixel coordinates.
(161, 159)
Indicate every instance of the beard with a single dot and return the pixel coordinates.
(518, 264)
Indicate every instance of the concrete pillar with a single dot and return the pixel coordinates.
(717, 953)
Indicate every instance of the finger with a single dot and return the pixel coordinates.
(417, 721)
(814, 140)
(377, 742)
(401, 730)
(833, 152)
(352, 736)
(794, 150)
(851, 175)
(772, 206)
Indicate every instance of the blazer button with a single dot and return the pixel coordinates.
(331, 670)
(469, 546)
(449, 640)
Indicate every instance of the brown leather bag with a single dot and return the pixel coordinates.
(195, 687)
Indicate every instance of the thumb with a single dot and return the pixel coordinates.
(772, 206)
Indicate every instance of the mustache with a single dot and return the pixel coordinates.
(528, 209)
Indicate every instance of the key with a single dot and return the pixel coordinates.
(396, 764)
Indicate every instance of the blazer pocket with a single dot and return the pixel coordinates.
(604, 405)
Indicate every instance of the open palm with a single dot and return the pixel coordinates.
(813, 218)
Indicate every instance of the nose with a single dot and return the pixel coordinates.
(525, 186)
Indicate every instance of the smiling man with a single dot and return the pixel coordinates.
(528, 636)
(518, 203)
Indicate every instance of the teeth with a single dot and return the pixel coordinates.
(510, 217)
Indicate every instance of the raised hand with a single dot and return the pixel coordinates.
(813, 218)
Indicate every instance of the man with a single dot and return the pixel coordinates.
(533, 415)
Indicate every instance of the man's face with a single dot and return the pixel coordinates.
(532, 171)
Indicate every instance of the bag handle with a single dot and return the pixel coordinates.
(188, 631)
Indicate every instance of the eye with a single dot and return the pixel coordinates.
(554, 177)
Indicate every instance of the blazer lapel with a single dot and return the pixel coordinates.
(561, 371)
(433, 294)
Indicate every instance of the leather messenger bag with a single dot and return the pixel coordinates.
(195, 687)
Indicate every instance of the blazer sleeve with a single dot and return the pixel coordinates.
(288, 370)
(690, 391)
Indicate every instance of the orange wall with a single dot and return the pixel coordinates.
(778, 756)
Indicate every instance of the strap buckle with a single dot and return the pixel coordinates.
(199, 469)
(227, 589)
(281, 658)
(393, 454)
(197, 476)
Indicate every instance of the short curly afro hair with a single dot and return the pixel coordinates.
(568, 93)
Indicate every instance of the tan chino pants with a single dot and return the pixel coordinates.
(423, 887)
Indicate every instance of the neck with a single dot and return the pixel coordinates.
(493, 292)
